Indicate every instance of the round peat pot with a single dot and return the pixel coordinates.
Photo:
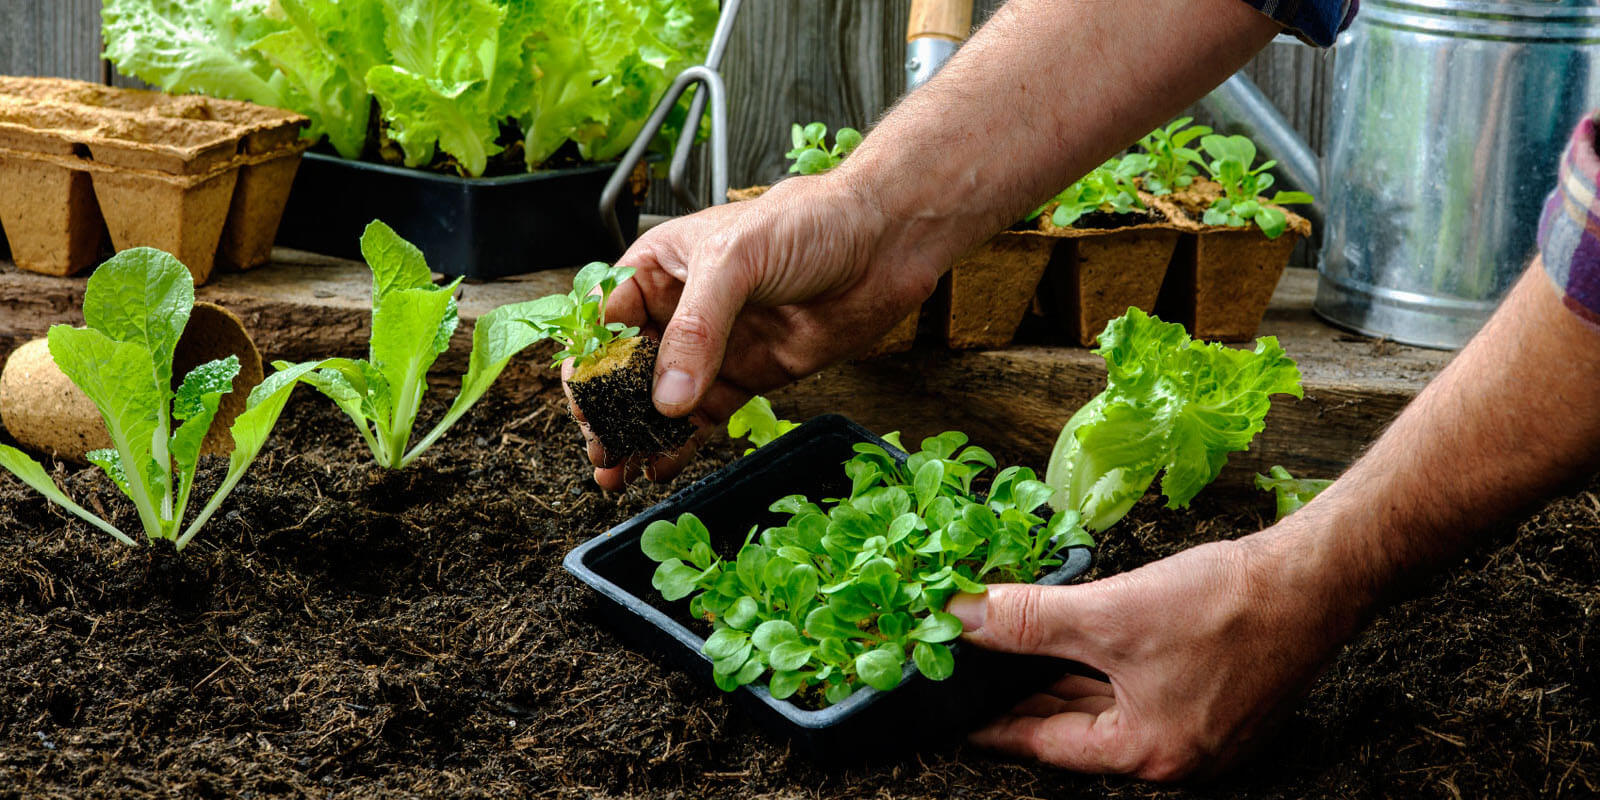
(46, 412)
(919, 712)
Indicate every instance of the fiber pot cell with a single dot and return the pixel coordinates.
(48, 210)
(257, 208)
(1222, 278)
(613, 393)
(870, 723)
(46, 412)
(1096, 274)
(984, 297)
(180, 214)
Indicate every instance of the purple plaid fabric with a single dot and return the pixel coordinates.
(1316, 22)
(1569, 230)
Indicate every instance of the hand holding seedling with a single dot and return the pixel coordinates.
(751, 296)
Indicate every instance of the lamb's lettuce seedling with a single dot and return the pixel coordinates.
(1243, 186)
(412, 321)
(135, 308)
(1170, 405)
(850, 588)
(812, 155)
(1109, 188)
(1292, 492)
(755, 422)
(576, 320)
(1172, 161)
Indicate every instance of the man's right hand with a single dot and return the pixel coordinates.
(753, 295)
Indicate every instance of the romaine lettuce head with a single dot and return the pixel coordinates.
(1171, 405)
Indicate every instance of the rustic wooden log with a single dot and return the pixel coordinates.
(1013, 400)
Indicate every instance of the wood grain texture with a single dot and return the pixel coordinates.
(59, 38)
(948, 19)
(1012, 400)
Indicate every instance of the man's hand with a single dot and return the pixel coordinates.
(1202, 650)
(750, 296)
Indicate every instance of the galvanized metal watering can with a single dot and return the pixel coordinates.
(1449, 118)
(1449, 121)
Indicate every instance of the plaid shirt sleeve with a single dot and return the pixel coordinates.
(1569, 230)
(1316, 22)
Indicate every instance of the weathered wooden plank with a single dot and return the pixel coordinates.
(1013, 400)
(51, 37)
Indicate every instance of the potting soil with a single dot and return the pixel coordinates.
(340, 631)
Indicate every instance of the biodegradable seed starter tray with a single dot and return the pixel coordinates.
(807, 460)
(201, 178)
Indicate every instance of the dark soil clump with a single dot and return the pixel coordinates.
(1110, 220)
(340, 631)
(614, 396)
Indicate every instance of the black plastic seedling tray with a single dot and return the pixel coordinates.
(475, 227)
(807, 461)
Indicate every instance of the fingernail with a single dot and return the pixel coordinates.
(971, 609)
(674, 388)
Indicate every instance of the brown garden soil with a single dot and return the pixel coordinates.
(343, 632)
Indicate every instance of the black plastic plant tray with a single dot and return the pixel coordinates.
(476, 227)
(805, 461)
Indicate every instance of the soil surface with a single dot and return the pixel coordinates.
(343, 632)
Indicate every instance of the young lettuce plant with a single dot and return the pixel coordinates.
(756, 423)
(812, 155)
(847, 591)
(1292, 493)
(1109, 188)
(412, 321)
(613, 367)
(135, 308)
(1172, 161)
(1242, 187)
(1171, 405)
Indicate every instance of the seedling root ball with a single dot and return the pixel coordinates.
(613, 394)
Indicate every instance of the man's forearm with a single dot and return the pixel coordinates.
(1510, 420)
(1045, 92)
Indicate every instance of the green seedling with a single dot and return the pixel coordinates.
(1292, 493)
(412, 321)
(756, 423)
(1109, 188)
(1243, 186)
(576, 320)
(849, 589)
(135, 308)
(812, 155)
(1173, 163)
(1171, 405)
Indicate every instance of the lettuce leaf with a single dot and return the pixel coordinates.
(1171, 405)
(323, 56)
(436, 92)
(446, 74)
(412, 322)
(200, 46)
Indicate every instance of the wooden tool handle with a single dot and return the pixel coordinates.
(946, 19)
